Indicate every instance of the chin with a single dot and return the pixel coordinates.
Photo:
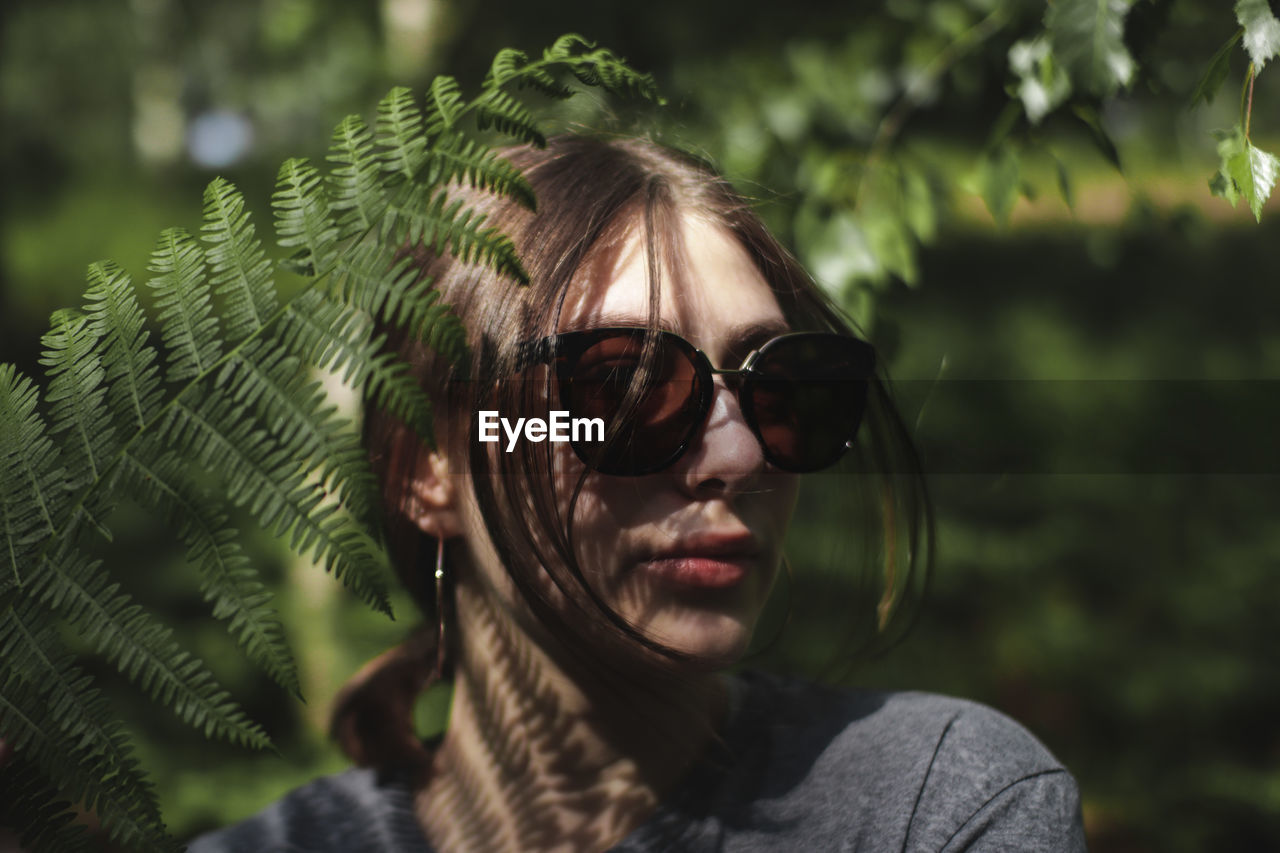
(712, 640)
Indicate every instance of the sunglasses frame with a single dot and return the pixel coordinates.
(562, 351)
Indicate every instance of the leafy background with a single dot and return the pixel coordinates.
(997, 190)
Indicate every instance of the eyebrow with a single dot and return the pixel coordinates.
(739, 341)
(755, 334)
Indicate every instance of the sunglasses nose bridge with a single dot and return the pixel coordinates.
(725, 437)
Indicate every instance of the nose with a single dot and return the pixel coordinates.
(725, 457)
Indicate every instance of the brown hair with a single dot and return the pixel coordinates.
(590, 191)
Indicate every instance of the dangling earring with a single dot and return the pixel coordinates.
(440, 632)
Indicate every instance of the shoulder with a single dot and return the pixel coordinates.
(352, 812)
(931, 772)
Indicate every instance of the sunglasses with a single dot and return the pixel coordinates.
(802, 394)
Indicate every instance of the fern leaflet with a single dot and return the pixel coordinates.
(356, 180)
(189, 326)
(33, 487)
(239, 269)
(399, 133)
(76, 393)
(131, 370)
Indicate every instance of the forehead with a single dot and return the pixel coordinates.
(710, 290)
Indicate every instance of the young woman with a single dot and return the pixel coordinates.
(585, 596)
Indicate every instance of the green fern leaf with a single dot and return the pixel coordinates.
(595, 66)
(108, 621)
(500, 110)
(302, 217)
(513, 65)
(412, 304)
(399, 133)
(34, 485)
(242, 405)
(506, 65)
(373, 278)
(189, 329)
(567, 47)
(58, 721)
(36, 812)
(455, 158)
(445, 106)
(440, 329)
(76, 394)
(443, 225)
(339, 338)
(297, 414)
(355, 184)
(272, 484)
(326, 334)
(132, 373)
(155, 479)
(238, 266)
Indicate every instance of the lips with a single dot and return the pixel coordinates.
(706, 561)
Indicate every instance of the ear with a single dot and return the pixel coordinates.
(432, 497)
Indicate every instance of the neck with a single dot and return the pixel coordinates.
(539, 755)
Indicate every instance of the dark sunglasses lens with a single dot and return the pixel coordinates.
(649, 411)
(808, 396)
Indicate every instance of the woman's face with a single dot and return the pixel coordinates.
(689, 554)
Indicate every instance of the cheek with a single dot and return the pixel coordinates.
(782, 499)
(597, 516)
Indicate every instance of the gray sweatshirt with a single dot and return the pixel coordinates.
(801, 768)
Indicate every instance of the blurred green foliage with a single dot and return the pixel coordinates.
(948, 170)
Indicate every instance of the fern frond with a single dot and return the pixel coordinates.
(156, 480)
(505, 66)
(445, 105)
(58, 721)
(374, 278)
(273, 485)
(302, 217)
(132, 372)
(76, 394)
(297, 414)
(597, 66)
(511, 65)
(500, 110)
(567, 47)
(238, 266)
(188, 327)
(240, 404)
(32, 485)
(355, 183)
(339, 338)
(408, 301)
(379, 289)
(435, 324)
(36, 811)
(444, 225)
(109, 622)
(456, 158)
(399, 133)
